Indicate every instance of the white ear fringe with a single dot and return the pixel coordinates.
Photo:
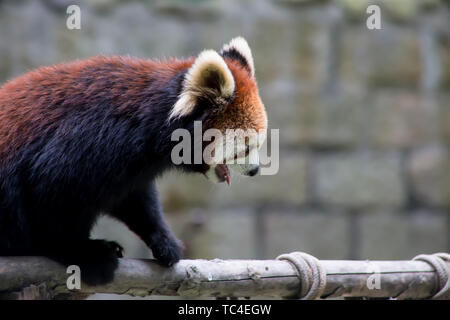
(207, 60)
(184, 105)
(241, 45)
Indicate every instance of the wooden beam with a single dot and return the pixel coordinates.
(37, 277)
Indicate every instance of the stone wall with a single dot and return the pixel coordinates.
(364, 118)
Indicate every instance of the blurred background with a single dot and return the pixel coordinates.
(364, 118)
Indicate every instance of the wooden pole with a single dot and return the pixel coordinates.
(37, 277)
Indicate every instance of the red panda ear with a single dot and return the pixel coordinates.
(209, 77)
(239, 50)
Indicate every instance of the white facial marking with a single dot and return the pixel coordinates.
(233, 151)
(211, 174)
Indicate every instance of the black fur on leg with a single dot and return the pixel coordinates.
(166, 249)
(97, 259)
(142, 213)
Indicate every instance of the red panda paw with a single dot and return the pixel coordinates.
(167, 249)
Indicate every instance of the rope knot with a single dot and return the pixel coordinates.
(311, 273)
(439, 263)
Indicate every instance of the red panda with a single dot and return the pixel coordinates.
(89, 137)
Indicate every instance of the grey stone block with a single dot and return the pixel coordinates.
(388, 235)
(401, 118)
(444, 116)
(336, 122)
(322, 234)
(387, 57)
(429, 169)
(182, 191)
(360, 180)
(444, 53)
(224, 234)
(313, 120)
(287, 187)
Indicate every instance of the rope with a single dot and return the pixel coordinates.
(439, 262)
(311, 273)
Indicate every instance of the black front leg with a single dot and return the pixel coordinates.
(141, 212)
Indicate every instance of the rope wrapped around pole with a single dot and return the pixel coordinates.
(438, 262)
(313, 277)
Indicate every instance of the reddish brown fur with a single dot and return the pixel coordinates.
(246, 110)
(34, 102)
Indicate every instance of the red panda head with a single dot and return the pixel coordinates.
(224, 88)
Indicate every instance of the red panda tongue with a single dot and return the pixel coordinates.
(223, 173)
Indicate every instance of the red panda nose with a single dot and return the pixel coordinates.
(253, 172)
